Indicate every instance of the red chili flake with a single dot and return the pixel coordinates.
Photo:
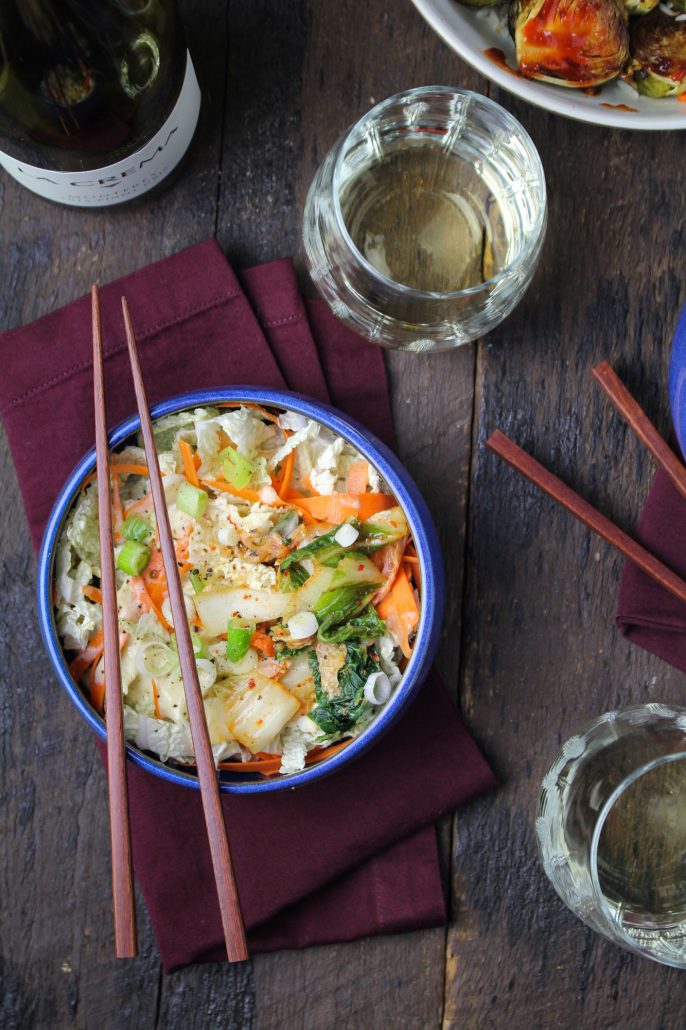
(251, 684)
(360, 568)
(259, 722)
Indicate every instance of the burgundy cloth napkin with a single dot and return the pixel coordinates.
(345, 857)
(647, 613)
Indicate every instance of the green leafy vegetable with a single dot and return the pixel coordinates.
(293, 577)
(342, 603)
(323, 549)
(165, 429)
(287, 525)
(355, 568)
(386, 527)
(365, 626)
(135, 528)
(338, 714)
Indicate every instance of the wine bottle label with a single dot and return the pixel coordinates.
(126, 179)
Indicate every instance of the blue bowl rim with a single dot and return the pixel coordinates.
(421, 526)
(677, 380)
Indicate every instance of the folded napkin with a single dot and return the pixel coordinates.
(647, 613)
(349, 856)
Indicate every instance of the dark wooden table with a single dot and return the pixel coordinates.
(529, 644)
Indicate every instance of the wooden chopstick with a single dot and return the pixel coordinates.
(229, 905)
(120, 835)
(633, 413)
(600, 524)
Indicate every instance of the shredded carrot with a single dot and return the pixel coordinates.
(189, 468)
(117, 507)
(250, 495)
(286, 475)
(186, 567)
(319, 754)
(156, 699)
(400, 610)
(90, 654)
(144, 502)
(96, 688)
(269, 765)
(263, 642)
(337, 508)
(122, 468)
(146, 601)
(250, 404)
(412, 566)
(157, 592)
(93, 594)
(358, 477)
(247, 495)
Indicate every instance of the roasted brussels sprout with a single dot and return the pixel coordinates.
(576, 43)
(640, 6)
(658, 55)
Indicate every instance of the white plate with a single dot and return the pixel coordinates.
(470, 31)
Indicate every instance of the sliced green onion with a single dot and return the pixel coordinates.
(156, 658)
(135, 528)
(191, 500)
(133, 558)
(237, 640)
(238, 470)
(197, 582)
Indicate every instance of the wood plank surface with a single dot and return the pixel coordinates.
(529, 639)
(542, 654)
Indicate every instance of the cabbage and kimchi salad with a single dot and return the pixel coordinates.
(300, 581)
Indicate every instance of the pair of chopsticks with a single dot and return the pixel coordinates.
(122, 879)
(646, 432)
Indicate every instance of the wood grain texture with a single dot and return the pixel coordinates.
(58, 968)
(398, 981)
(529, 639)
(543, 655)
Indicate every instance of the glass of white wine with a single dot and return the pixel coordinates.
(611, 827)
(424, 224)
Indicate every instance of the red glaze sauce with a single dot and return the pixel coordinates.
(498, 57)
(621, 107)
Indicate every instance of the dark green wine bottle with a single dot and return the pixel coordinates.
(98, 98)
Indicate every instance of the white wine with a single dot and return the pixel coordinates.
(642, 854)
(98, 98)
(423, 217)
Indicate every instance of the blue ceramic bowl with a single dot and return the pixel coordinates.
(677, 381)
(421, 527)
